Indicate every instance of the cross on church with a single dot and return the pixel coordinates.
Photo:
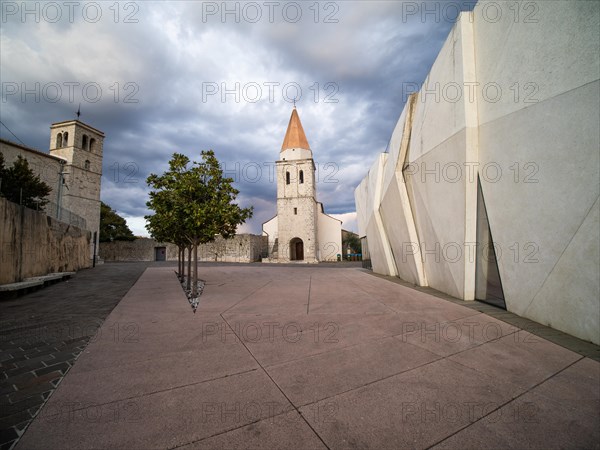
(79, 111)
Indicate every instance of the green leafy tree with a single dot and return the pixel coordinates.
(112, 226)
(20, 184)
(196, 204)
(166, 224)
(352, 241)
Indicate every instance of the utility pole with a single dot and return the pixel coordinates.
(95, 235)
(61, 181)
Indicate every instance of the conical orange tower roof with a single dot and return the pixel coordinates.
(294, 136)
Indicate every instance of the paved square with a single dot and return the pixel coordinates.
(314, 357)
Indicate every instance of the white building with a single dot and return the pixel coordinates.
(490, 187)
(301, 231)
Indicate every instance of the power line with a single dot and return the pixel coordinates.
(13, 134)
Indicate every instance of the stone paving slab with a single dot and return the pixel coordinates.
(545, 417)
(456, 336)
(521, 358)
(42, 333)
(162, 419)
(414, 409)
(308, 380)
(587, 349)
(166, 372)
(394, 376)
(286, 431)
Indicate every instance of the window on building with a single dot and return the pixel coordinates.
(301, 176)
(58, 140)
(84, 142)
(92, 144)
(87, 165)
(65, 139)
(296, 211)
(287, 178)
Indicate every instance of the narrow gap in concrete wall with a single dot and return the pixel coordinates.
(366, 257)
(488, 285)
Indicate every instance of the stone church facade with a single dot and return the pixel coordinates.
(301, 231)
(72, 169)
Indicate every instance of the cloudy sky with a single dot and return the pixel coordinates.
(164, 77)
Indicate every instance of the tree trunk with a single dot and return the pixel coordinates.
(195, 286)
(180, 257)
(182, 263)
(189, 269)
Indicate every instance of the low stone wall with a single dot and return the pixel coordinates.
(241, 248)
(35, 244)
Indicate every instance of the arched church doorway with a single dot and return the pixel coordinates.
(296, 249)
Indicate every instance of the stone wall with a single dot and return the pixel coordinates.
(74, 207)
(243, 248)
(35, 244)
(46, 166)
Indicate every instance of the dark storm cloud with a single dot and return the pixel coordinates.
(158, 75)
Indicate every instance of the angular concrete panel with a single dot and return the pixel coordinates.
(404, 246)
(532, 52)
(439, 206)
(537, 179)
(567, 299)
(512, 98)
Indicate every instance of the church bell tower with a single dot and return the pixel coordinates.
(80, 146)
(301, 231)
(296, 196)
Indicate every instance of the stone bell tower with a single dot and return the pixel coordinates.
(301, 231)
(296, 196)
(80, 146)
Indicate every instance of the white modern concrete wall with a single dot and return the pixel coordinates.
(400, 228)
(512, 100)
(329, 236)
(543, 133)
(270, 230)
(441, 146)
(378, 241)
(363, 206)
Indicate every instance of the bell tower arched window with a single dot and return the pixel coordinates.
(65, 139)
(92, 144)
(58, 140)
(84, 142)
